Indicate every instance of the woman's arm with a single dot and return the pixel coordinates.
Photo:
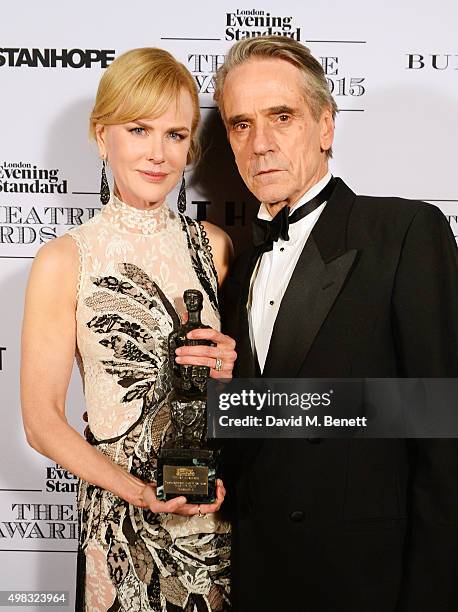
(48, 350)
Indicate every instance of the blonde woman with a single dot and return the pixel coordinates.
(110, 291)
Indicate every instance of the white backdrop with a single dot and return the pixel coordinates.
(393, 69)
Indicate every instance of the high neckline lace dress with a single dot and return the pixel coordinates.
(134, 267)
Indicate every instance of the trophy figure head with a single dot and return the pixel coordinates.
(193, 300)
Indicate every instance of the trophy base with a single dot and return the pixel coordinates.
(188, 472)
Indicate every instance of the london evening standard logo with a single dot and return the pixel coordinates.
(16, 57)
(34, 223)
(241, 23)
(249, 23)
(60, 480)
(23, 177)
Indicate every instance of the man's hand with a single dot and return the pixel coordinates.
(220, 358)
(178, 505)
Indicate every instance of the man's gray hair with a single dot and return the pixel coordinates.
(316, 89)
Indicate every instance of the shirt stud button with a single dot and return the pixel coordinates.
(296, 516)
(271, 302)
(282, 249)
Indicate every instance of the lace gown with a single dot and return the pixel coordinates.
(134, 268)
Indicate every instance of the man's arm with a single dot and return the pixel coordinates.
(425, 308)
(425, 298)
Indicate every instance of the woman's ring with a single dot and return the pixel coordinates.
(218, 364)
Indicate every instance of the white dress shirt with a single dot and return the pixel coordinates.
(274, 270)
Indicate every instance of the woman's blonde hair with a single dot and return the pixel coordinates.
(143, 83)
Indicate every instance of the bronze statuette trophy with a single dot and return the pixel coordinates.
(186, 463)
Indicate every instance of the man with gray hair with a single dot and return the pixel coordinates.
(335, 286)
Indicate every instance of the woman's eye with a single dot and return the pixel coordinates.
(137, 130)
(176, 136)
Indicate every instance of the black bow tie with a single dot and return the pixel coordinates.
(265, 233)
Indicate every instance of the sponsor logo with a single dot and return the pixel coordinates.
(56, 58)
(434, 61)
(60, 480)
(250, 23)
(35, 223)
(20, 177)
(247, 23)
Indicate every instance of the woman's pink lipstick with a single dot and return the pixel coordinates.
(153, 177)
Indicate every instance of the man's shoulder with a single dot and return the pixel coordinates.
(368, 219)
(393, 212)
(390, 206)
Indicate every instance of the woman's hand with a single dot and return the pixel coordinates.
(178, 505)
(220, 358)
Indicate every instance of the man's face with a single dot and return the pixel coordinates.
(279, 148)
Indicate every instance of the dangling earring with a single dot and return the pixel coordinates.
(182, 196)
(104, 187)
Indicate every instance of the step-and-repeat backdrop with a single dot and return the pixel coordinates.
(392, 66)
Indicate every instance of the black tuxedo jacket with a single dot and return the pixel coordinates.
(351, 525)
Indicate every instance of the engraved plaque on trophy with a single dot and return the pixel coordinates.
(187, 463)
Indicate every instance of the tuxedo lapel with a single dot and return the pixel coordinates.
(247, 366)
(310, 295)
(320, 273)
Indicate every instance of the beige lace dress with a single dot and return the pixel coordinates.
(135, 266)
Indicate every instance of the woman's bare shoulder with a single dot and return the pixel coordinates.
(57, 261)
(222, 249)
(60, 251)
(218, 237)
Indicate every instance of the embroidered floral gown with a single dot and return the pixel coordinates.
(134, 268)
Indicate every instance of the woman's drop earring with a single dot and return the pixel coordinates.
(104, 187)
(182, 196)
